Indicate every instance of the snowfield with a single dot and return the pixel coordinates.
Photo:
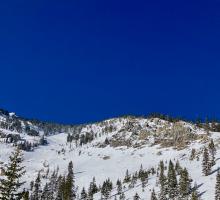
(91, 160)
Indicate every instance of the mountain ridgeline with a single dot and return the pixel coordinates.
(166, 130)
(153, 157)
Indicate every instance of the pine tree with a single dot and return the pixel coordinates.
(217, 187)
(194, 193)
(45, 193)
(119, 186)
(37, 188)
(140, 173)
(83, 194)
(106, 188)
(31, 185)
(193, 154)
(153, 195)
(178, 168)
(184, 183)
(212, 151)
(52, 186)
(162, 195)
(136, 197)
(70, 184)
(127, 177)
(122, 196)
(25, 195)
(162, 177)
(206, 168)
(61, 188)
(92, 189)
(162, 182)
(172, 181)
(194, 196)
(10, 185)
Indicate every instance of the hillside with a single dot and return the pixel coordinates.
(109, 148)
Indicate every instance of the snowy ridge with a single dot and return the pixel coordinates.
(117, 145)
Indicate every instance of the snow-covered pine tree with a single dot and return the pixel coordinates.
(122, 196)
(61, 188)
(31, 185)
(162, 177)
(212, 151)
(133, 182)
(184, 183)
(136, 197)
(83, 194)
(92, 189)
(172, 181)
(119, 187)
(193, 154)
(140, 173)
(162, 182)
(11, 184)
(217, 187)
(194, 196)
(106, 189)
(37, 189)
(45, 192)
(127, 177)
(25, 195)
(162, 195)
(194, 193)
(178, 168)
(206, 168)
(70, 183)
(52, 186)
(153, 195)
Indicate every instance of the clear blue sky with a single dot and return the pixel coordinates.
(81, 60)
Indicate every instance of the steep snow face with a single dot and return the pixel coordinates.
(119, 144)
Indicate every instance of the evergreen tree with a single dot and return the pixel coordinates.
(153, 195)
(83, 194)
(194, 193)
(106, 189)
(212, 151)
(143, 182)
(92, 189)
(31, 185)
(52, 186)
(45, 193)
(10, 185)
(206, 168)
(140, 173)
(61, 194)
(136, 197)
(162, 177)
(217, 187)
(127, 177)
(162, 195)
(37, 188)
(172, 181)
(184, 183)
(119, 186)
(70, 184)
(133, 182)
(178, 168)
(122, 196)
(193, 154)
(25, 195)
(194, 196)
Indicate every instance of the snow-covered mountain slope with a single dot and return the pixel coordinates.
(107, 149)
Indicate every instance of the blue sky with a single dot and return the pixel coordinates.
(82, 61)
